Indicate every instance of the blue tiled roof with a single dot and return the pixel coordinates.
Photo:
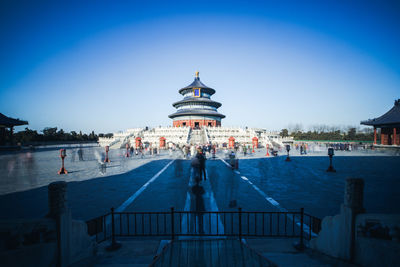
(389, 118)
(197, 84)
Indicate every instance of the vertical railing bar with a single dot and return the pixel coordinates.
(113, 242)
(195, 223)
(277, 216)
(165, 223)
(150, 223)
(142, 223)
(180, 222)
(301, 227)
(172, 224)
(127, 222)
(225, 221)
(158, 230)
(187, 221)
(232, 223)
(293, 223)
(97, 231)
(216, 219)
(270, 224)
(120, 224)
(248, 224)
(135, 225)
(263, 224)
(240, 223)
(285, 224)
(209, 222)
(105, 227)
(255, 223)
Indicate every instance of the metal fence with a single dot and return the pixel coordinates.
(205, 223)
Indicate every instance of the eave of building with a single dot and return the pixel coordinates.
(10, 122)
(206, 90)
(389, 119)
(197, 100)
(196, 112)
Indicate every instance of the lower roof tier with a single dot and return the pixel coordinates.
(196, 112)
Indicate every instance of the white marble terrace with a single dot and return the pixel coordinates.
(182, 136)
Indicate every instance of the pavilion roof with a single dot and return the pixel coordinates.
(197, 84)
(390, 118)
(10, 122)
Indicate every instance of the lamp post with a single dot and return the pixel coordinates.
(107, 148)
(267, 151)
(331, 152)
(63, 154)
(288, 149)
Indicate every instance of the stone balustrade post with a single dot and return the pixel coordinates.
(59, 212)
(337, 236)
(57, 199)
(353, 201)
(354, 195)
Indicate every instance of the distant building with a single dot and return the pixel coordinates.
(7, 122)
(196, 109)
(389, 123)
(195, 122)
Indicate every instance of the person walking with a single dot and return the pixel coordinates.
(202, 163)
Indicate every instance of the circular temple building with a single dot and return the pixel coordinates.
(196, 109)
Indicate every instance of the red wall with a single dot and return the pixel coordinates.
(387, 136)
(179, 123)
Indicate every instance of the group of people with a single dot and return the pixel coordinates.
(303, 148)
(191, 151)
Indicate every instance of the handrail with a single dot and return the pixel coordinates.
(205, 223)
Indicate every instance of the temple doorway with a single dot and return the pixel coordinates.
(196, 125)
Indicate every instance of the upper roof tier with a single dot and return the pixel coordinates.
(197, 84)
(390, 118)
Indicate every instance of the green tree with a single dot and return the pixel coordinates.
(284, 133)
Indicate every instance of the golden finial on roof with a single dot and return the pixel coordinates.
(197, 74)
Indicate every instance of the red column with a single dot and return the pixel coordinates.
(394, 137)
(374, 136)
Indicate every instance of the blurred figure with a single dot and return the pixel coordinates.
(202, 163)
(80, 154)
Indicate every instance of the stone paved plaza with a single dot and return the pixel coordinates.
(92, 191)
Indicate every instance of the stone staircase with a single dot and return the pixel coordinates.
(197, 137)
(208, 253)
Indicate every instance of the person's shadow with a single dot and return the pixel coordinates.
(178, 168)
(199, 207)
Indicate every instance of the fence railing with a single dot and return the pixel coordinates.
(205, 223)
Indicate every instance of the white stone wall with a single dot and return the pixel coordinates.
(180, 135)
(175, 135)
(220, 135)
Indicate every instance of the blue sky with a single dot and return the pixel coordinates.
(112, 65)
